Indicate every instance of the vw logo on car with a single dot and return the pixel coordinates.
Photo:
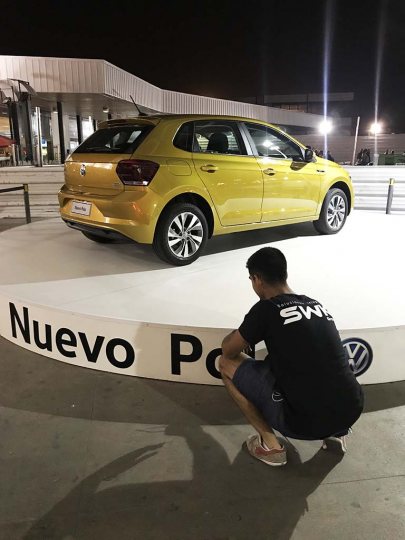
(359, 354)
(83, 170)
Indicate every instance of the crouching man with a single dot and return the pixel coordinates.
(304, 388)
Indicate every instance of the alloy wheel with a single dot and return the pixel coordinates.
(185, 235)
(336, 212)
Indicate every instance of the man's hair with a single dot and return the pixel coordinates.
(269, 264)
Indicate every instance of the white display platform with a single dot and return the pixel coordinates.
(116, 307)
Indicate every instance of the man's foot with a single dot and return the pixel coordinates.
(274, 457)
(336, 443)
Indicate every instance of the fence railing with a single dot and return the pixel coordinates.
(379, 188)
(43, 204)
(43, 186)
(27, 207)
(376, 188)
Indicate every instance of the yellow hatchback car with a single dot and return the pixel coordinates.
(176, 180)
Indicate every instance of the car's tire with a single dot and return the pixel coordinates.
(335, 209)
(181, 234)
(98, 238)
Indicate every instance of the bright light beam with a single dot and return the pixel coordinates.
(378, 71)
(327, 47)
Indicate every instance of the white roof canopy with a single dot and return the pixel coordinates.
(87, 86)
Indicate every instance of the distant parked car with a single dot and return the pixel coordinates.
(176, 180)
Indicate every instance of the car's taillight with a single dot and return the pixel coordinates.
(136, 172)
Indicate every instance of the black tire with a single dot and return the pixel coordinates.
(335, 209)
(176, 222)
(97, 238)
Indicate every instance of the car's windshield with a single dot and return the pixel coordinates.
(115, 140)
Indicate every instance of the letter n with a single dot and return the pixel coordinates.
(24, 328)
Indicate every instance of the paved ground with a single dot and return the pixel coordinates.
(8, 223)
(88, 455)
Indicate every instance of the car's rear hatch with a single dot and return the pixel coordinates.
(91, 168)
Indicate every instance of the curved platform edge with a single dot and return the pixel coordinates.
(173, 353)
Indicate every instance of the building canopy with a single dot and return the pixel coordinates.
(89, 87)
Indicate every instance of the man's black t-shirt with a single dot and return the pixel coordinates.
(307, 359)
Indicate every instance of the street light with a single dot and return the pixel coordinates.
(375, 128)
(325, 127)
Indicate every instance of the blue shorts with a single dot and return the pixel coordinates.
(255, 381)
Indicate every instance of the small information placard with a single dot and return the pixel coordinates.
(80, 207)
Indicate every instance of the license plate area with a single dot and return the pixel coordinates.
(80, 207)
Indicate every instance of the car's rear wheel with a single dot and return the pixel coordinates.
(334, 212)
(181, 234)
(97, 238)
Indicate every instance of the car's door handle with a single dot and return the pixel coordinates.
(320, 170)
(269, 172)
(209, 168)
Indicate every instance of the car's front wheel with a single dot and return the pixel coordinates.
(334, 212)
(181, 234)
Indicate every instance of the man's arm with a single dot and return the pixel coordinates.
(233, 344)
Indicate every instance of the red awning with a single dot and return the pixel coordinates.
(5, 141)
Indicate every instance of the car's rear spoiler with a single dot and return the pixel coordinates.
(128, 122)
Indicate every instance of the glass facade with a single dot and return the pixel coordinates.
(39, 140)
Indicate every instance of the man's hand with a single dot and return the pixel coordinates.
(233, 344)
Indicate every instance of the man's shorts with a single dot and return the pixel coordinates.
(255, 381)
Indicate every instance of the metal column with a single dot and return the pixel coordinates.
(27, 204)
(30, 142)
(79, 128)
(390, 196)
(15, 131)
(61, 133)
(40, 161)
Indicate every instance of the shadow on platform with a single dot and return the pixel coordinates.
(222, 500)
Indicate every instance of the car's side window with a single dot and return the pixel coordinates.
(270, 143)
(184, 137)
(218, 137)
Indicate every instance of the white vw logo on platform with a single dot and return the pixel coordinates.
(359, 354)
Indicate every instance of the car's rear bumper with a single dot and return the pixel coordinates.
(97, 231)
(127, 214)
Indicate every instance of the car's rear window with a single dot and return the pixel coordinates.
(115, 140)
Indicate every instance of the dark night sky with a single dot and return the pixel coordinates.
(226, 49)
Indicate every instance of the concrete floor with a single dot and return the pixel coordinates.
(91, 455)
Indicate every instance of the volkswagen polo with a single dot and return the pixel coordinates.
(174, 181)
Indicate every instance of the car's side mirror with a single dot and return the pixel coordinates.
(308, 155)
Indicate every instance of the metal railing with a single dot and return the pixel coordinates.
(374, 188)
(27, 207)
(32, 205)
(390, 196)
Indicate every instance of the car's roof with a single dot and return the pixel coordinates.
(155, 118)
